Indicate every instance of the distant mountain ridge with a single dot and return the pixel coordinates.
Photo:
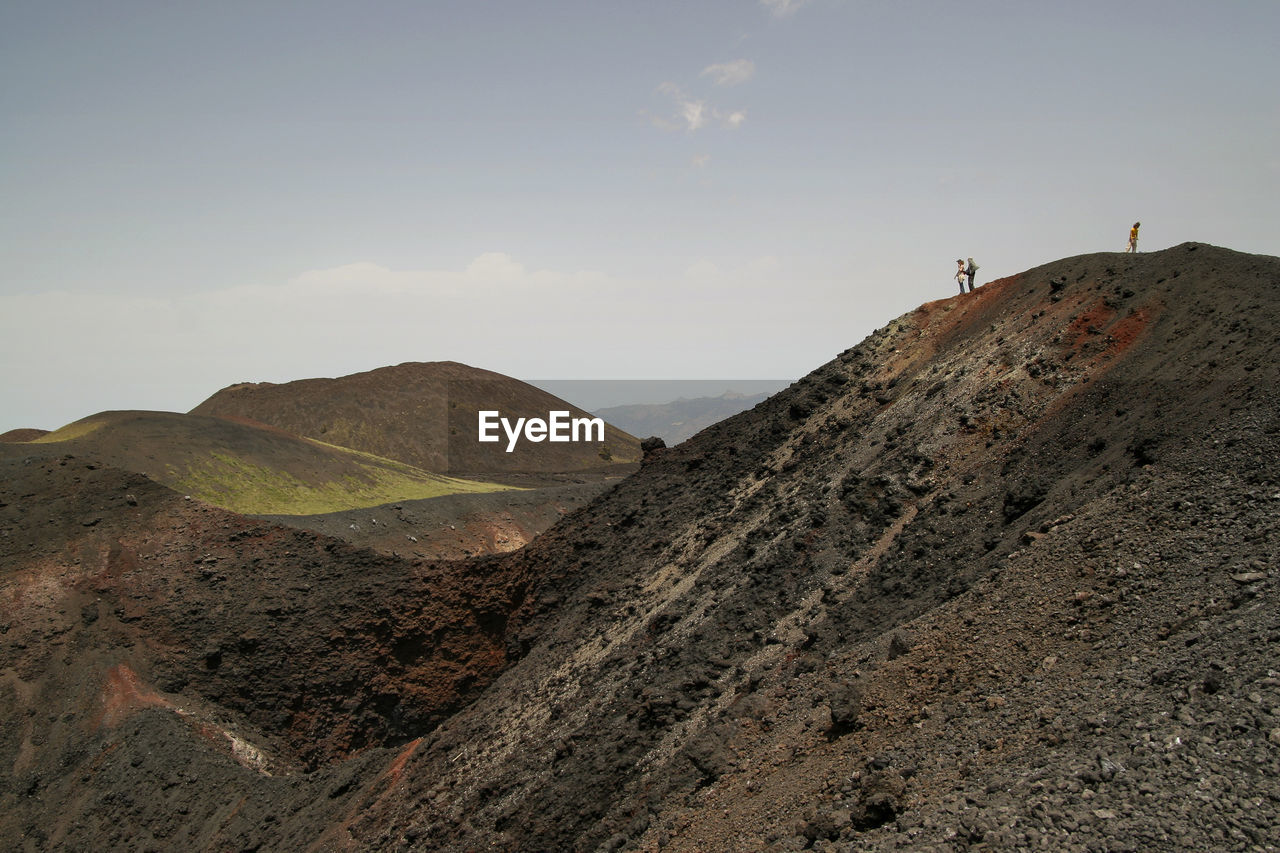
(680, 419)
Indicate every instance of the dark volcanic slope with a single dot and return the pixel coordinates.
(169, 669)
(1003, 575)
(420, 413)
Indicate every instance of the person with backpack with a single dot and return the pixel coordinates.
(970, 271)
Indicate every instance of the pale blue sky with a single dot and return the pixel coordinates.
(195, 194)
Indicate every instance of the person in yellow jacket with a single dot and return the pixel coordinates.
(1133, 238)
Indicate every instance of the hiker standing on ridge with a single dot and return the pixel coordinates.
(960, 277)
(970, 271)
(1133, 238)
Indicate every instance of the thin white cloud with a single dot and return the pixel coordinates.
(701, 161)
(693, 114)
(783, 8)
(730, 73)
(690, 113)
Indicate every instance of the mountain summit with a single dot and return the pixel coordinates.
(1001, 576)
(423, 414)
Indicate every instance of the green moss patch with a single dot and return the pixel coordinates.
(243, 487)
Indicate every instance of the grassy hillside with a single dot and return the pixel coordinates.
(248, 468)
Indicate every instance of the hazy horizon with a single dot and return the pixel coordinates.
(201, 194)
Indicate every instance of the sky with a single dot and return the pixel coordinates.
(194, 194)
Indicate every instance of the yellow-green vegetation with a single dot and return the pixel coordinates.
(251, 471)
(373, 458)
(250, 489)
(71, 431)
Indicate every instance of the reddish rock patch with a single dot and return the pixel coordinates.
(123, 693)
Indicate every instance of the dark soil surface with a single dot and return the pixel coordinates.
(453, 526)
(169, 669)
(1001, 577)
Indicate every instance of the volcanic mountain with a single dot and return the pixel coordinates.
(424, 414)
(23, 434)
(265, 464)
(1002, 576)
